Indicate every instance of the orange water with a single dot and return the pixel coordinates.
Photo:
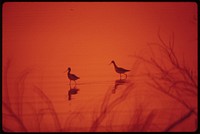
(41, 40)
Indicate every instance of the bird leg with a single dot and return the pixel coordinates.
(122, 75)
(70, 85)
(125, 75)
(70, 82)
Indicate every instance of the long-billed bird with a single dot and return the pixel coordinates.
(72, 76)
(119, 69)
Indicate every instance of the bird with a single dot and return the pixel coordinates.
(119, 69)
(71, 76)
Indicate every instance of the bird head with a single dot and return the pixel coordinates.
(69, 69)
(112, 62)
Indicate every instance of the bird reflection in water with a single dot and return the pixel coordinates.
(117, 83)
(72, 91)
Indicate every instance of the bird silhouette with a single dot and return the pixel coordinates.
(119, 69)
(71, 76)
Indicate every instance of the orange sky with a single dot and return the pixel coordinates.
(48, 33)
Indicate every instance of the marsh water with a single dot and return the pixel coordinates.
(103, 103)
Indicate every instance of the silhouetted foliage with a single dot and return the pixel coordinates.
(170, 76)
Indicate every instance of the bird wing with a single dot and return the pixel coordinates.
(74, 76)
(120, 69)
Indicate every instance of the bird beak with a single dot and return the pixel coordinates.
(65, 71)
(110, 63)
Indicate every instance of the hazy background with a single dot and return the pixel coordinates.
(49, 37)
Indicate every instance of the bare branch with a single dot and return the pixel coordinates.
(179, 121)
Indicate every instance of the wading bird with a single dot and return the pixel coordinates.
(72, 76)
(119, 69)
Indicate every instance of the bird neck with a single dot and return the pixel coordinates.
(114, 65)
(69, 71)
